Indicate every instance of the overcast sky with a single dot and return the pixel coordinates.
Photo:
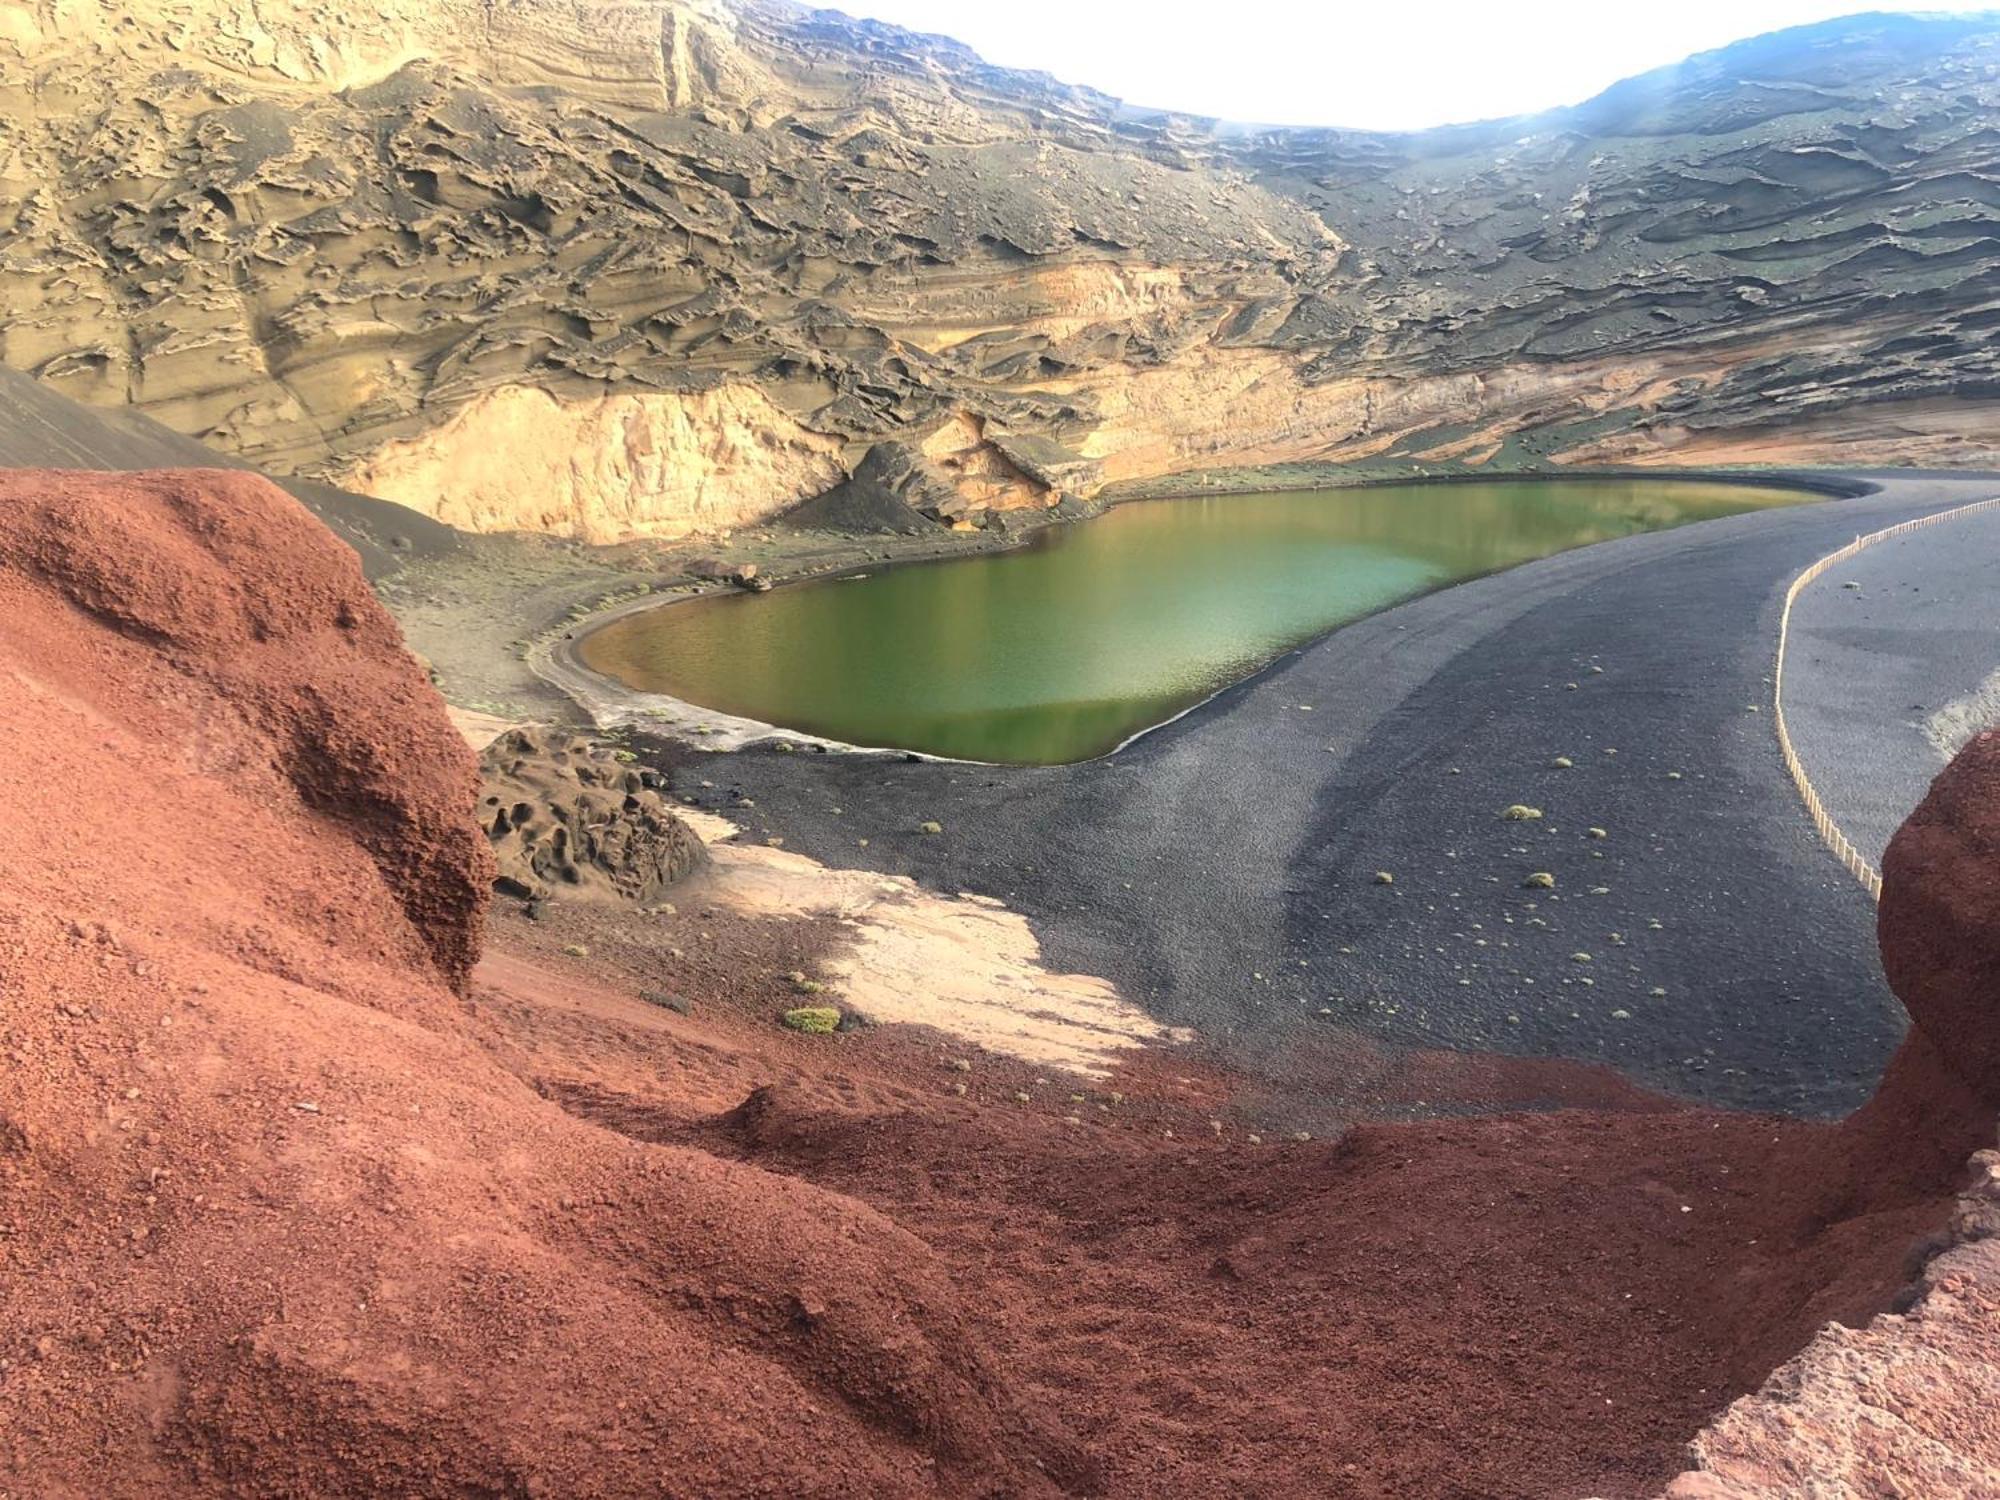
(1383, 64)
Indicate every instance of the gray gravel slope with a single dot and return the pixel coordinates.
(1879, 675)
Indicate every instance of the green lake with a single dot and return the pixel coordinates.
(1066, 648)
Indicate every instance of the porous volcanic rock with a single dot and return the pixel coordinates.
(646, 268)
(273, 1221)
(1939, 921)
(567, 817)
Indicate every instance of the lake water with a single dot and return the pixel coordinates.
(1064, 649)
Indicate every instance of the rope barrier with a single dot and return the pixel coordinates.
(1829, 831)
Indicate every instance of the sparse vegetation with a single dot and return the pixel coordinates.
(814, 1020)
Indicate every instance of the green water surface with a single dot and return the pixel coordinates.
(1065, 649)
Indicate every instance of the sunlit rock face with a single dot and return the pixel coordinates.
(604, 468)
(719, 253)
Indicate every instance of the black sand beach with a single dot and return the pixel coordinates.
(1222, 869)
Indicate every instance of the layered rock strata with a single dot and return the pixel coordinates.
(643, 267)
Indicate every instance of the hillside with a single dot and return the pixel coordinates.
(296, 1200)
(658, 266)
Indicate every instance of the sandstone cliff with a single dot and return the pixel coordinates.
(642, 267)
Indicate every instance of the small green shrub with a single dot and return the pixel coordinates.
(814, 1020)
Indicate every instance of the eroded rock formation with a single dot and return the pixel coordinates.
(649, 266)
(566, 817)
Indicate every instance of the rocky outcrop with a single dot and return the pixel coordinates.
(1902, 1406)
(656, 266)
(567, 818)
(1905, 1405)
(1940, 916)
(898, 486)
(273, 1218)
(605, 468)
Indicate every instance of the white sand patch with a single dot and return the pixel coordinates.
(1951, 727)
(964, 964)
(480, 730)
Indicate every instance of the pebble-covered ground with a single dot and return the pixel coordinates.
(1227, 870)
(1894, 661)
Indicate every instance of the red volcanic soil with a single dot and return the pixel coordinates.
(295, 1202)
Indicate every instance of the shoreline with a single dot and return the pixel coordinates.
(1834, 484)
(610, 703)
(1261, 825)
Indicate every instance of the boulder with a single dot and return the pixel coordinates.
(1939, 921)
(566, 816)
(716, 570)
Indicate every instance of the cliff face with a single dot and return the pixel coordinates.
(649, 266)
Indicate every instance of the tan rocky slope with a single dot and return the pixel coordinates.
(643, 267)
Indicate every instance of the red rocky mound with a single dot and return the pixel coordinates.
(1905, 1406)
(270, 1223)
(1940, 923)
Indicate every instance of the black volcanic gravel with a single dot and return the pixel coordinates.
(1221, 870)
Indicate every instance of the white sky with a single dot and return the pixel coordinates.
(1382, 64)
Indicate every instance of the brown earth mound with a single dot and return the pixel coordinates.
(567, 817)
(284, 1213)
(270, 1223)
